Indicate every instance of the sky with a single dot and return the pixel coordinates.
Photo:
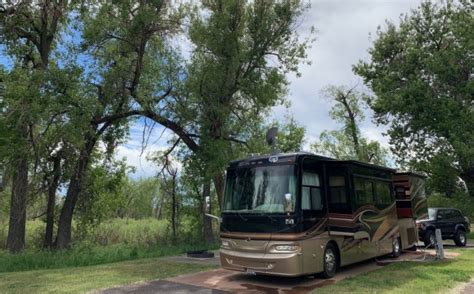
(345, 31)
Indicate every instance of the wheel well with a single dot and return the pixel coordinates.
(337, 251)
(461, 227)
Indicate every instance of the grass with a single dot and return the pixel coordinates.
(85, 256)
(410, 277)
(84, 279)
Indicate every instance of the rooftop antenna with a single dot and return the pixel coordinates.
(272, 139)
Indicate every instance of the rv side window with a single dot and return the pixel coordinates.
(338, 197)
(363, 192)
(311, 192)
(382, 192)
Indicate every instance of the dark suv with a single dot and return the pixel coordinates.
(450, 221)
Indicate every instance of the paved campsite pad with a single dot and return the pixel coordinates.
(223, 281)
(237, 282)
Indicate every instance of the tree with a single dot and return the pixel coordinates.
(29, 30)
(421, 74)
(348, 142)
(116, 36)
(290, 137)
(242, 52)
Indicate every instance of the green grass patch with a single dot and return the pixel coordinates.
(84, 279)
(410, 277)
(86, 255)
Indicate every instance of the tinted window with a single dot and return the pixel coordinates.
(337, 195)
(454, 214)
(260, 189)
(383, 195)
(311, 198)
(364, 194)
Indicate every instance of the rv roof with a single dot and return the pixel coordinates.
(303, 153)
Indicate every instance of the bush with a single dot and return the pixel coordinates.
(143, 233)
(461, 201)
(85, 254)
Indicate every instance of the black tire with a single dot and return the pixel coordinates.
(396, 247)
(330, 261)
(429, 239)
(460, 238)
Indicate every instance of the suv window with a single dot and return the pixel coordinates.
(456, 214)
(442, 214)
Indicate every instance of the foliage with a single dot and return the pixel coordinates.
(421, 74)
(143, 199)
(290, 137)
(348, 143)
(460, 200)
(83, 255)
(105, 193)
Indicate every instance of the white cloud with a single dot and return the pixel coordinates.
(342, 39)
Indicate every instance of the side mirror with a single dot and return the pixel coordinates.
(288, 204)
(439, 216)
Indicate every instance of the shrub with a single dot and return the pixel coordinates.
(462, 201)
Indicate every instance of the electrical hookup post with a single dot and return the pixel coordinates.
(439, 245)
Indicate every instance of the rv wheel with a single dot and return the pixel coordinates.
(396, 247)
(330, 261)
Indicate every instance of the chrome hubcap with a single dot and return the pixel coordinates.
(432, 239)
(330, 260)
(462, 238)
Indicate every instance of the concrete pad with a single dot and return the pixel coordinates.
(238, 282)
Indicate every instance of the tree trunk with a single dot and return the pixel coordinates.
(173, 209)
(63, 239)
(16, 228)
(219, 185)
(52, 188)
(468, 177)
(207, 221)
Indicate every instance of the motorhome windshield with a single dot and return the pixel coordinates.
(270, 189)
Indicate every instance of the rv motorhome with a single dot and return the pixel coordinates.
(295, 214)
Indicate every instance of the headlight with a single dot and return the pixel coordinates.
(287, 248)
(225, 244)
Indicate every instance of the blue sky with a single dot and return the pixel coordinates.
(344, 29)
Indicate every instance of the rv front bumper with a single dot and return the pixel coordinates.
(281, 264)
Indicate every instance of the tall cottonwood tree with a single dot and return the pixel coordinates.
(29, 30)
(116, 36)
(421, 72)
(242, 51)
(348, 142)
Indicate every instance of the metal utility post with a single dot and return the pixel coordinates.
(439, 245)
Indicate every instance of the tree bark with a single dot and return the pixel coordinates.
(207, 221)
(219, 185)
(468, 177)
(52, 188)
(173, 208)
(63, 239)
(16, 228)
